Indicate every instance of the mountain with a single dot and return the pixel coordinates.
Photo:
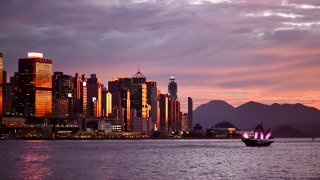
(248, 115)
(208, 114)
(289, 132)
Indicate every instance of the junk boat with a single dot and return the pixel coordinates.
(260, 138)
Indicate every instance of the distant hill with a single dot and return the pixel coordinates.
(289, 132)
(247, 116)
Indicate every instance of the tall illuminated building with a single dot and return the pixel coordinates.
(119, 98)
(139, 93)
(1, 84)
(152, 96)
(174, 121)
(80, 94)
(34, 96)
(126, 105)
(119, 83)
(190, 113)
(184, 122)
(163, 104)
(62, 85)
(12, 95)
(84, 95)
(94, 98)
(172, 88)
(106, 103)
(62, 92)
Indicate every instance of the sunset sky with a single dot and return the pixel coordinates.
(234, 50)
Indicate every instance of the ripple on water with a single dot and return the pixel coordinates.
(158, 159)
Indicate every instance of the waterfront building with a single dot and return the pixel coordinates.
(190, 113)
(184, 122)
(62, 96)
(62, 85)
(80, 95)
(172, 88)
(7, 99)
(11, 95)
(106, 103)
(152, 99)
(109, 104)
(119, 96)
(6, 95)
(34, 93)
(60, 108)
(126, 105)
(138, 92)
(174, 122)
(141, 124)
(94, 98)
(163, 104)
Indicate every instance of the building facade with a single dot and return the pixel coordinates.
(172, 88)
(163, 104)
(34, 96)
(119, 97)
(94, 98)
(62, 96)
(190, 113)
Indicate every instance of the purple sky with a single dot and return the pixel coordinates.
(261, 50)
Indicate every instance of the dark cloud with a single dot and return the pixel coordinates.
(208, 44)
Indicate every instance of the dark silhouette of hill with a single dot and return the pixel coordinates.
(248, 115)
(289, 132)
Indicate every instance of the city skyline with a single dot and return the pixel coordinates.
(265, 51)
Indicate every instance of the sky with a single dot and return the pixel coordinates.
(234, 50)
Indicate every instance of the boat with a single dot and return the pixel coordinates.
(259, 138)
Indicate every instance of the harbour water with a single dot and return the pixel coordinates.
(158, 159)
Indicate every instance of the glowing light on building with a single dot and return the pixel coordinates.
(35, 55)
(109, 104)
(256, 135)
(144, 100)
(128, 111)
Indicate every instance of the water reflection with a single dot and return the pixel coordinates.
(33, 161)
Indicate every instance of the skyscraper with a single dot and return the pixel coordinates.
(163, 104)
(138, 91)
(62, 85)
(119, 97)
(172, 88)
(62, 92)
(108, 104)
(190, 113)
(1, 84)
(80, 95)
(94, 98)
(153, 102)
(34, 98)
(174, 122)
(12, 95)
